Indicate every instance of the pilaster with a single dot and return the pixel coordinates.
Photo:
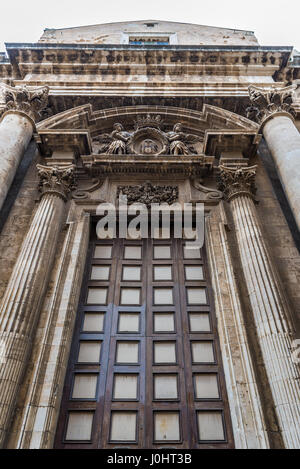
(20, 306)
(270, 308)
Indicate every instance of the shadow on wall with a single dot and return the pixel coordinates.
(269, 165)
(17, 183)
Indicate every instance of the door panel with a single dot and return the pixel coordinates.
(145, 366)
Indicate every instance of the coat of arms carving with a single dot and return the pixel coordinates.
(148, 194)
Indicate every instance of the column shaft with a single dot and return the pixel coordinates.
(22, 299)
(15, 134)
(283, 139)
(273, 110)
(22, 107)
(270, 312)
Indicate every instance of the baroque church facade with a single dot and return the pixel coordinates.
(140, 342)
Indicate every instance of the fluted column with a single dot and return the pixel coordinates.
(20, 306)
(275, 113)
(269, 305)
(22, 108)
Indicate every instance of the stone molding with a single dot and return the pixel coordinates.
(237, 181)
(58, 181)
(268, 103)
(29, 102)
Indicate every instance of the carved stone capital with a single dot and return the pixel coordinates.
(267, 103)
(22, 100)
(58, 181)
(234, 182)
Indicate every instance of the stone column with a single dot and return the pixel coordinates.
(21, 303)
(17, 123)
(269, 306)
(273, 110)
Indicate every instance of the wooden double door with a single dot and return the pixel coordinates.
(145, 366)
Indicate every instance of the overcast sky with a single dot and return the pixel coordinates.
(274, 22)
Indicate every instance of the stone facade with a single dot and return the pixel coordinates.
(160, 112)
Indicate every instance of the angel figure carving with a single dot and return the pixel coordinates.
(114, 143)
(180, 142)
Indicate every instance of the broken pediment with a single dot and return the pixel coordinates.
(145, 130)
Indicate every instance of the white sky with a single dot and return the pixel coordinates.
(274, 22)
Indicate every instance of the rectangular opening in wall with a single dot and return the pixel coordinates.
(164, 352)
(84, 386)
(79, 426)
(129, 322)
(125, 386)
(127, 352)
(123, 426)
(163, 322)
(165, 386)
(166, 426)
(199, 322)
(89, 352)
(210, 425)
(93, 322)
(97, 296)
(206, 386)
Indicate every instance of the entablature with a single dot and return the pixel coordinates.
(96, 70)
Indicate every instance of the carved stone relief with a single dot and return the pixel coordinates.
(148, 193)
(266, 103)
(237, 181)
(54, 180)
(147, 138)
(30, 102)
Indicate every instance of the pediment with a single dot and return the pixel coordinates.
(83, 117)
(82, 128)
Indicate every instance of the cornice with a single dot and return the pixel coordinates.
(76, 46)
(189, 166)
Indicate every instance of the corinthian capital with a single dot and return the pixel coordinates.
(58, 181)
(266, 103)
(21, 99)
(238, 181)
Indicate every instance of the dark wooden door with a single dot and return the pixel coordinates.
(145, 367)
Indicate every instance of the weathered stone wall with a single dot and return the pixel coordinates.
(115, 33)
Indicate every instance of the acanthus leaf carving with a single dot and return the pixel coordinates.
(55, 180)
(237, 181)
(266, 103)
(21, 99)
